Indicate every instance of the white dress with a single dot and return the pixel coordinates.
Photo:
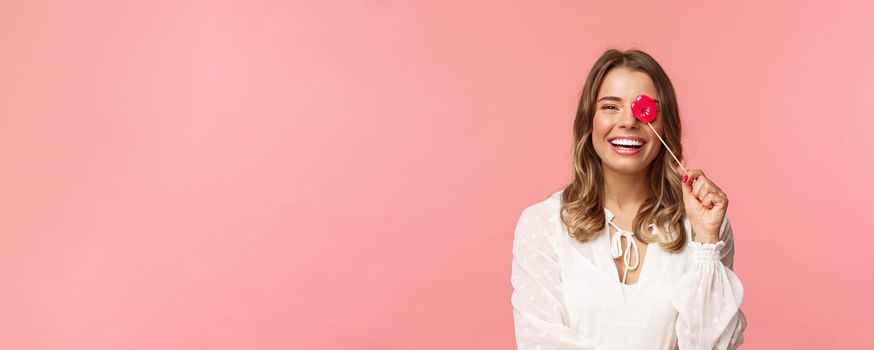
(567, 294)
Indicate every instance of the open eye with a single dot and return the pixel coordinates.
(609, 107)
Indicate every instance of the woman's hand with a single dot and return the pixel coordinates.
(705, 205)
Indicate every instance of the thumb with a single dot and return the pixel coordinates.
(686, 183)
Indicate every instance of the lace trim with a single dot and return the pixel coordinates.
(707, 251)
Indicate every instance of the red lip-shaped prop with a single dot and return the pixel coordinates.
(644, 109)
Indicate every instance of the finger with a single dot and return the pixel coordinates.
(713, 184)
(691, 175)
(694, 174)
(686, 185)
(720, 200)
(708, 199)
(699, 187)
(706, 187)
(709, 182)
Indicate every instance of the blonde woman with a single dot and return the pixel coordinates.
(633, 253)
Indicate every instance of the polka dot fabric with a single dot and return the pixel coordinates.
(567, 294)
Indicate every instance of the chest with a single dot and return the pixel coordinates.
(598, 302)
(633, 274)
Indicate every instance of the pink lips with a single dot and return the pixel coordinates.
(644, 108)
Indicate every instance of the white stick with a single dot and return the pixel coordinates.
(666, 146)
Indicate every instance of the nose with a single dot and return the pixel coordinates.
(627, 119)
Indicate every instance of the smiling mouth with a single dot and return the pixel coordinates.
(623, 143)
(626, 146)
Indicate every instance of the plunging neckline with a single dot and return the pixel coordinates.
(643, 276)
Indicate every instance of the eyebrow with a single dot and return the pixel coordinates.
(614, 98)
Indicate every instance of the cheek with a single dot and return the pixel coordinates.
(600, 126)
(658, 128)
(656, 143)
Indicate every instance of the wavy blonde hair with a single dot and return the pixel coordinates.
(582, 210)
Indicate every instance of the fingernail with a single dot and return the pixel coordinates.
(685, 177)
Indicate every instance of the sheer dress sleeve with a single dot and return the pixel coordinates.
(540, 318)
(708, 297)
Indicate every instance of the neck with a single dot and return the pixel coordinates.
(625, 192)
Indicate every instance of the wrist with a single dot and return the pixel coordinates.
(706, 237)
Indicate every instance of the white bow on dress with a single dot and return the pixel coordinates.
(616, 249)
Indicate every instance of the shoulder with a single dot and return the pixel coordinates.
(556, 194)
(538, 226)
(546, 209)
(542, 214)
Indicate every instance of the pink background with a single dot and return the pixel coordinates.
(274, 175)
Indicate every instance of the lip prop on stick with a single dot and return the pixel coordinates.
(644, 109)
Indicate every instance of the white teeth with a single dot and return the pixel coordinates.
(626, 142)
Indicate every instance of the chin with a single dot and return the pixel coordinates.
(627, 166)
(628, 169)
